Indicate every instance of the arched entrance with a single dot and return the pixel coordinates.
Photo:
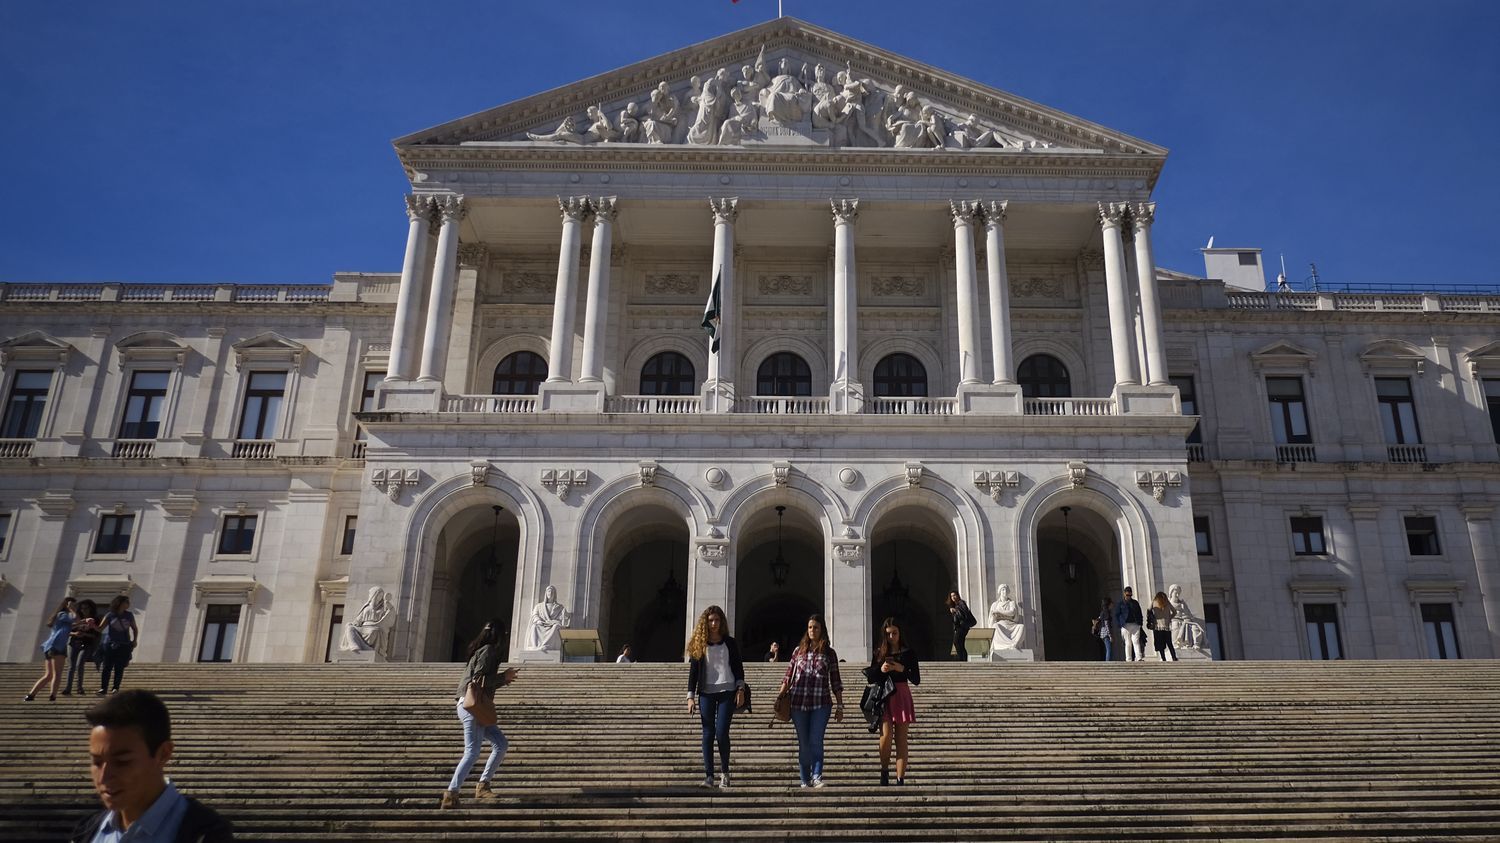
(644, 588)
(1078, 565)
(913, 566)
(473, 580)
(766, 610)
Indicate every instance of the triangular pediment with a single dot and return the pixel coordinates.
(34, 346)
(863, 97)
(269, 347)
(1283, 354)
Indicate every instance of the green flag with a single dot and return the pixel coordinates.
(712, 315)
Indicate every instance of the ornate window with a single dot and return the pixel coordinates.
(143, 405)
(784, 373)
(520, 373)
(668, 373)
(28, 400)
(1324, 641)
(900, 376)
(1044, 376)
(263, 397)
(1398, 412)
(1288, 411)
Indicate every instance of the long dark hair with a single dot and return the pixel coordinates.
(807, 645)
(488, 636)
(886, 650)
(64, 606)
(117, 605)
(87, 609)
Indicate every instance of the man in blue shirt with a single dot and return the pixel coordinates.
(1128, 620)
(130, 746)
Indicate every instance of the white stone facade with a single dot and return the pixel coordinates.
(832, 240)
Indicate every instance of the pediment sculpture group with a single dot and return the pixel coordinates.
(843, 109)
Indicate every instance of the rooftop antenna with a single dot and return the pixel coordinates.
(1312, 278)
(1210, 242)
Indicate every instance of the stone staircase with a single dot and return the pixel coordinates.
(1080, 752)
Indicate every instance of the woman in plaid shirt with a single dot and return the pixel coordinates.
(812, 680)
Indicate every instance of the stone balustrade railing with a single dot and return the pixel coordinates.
(912, 406)
(1070, 407)
(377, 289)
(253, 449)
(647, 404)
(16, 449)
(134, 449)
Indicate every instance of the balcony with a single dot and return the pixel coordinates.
(1296, 453)
(16, 449)
(650, 404)
(253, 449)
(357, 449)
(133, 449)
(1196, 452)
(1070, 407)
(489, 404)
(912, 406)
(1406, 453)
(778, 405)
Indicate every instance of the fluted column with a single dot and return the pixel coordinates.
(409, 297)
(560, 354)
(440, 304)
(721, 363)
(596, 312)
(968, 291)
(845, 294)
(1001, 353)
(1480, 520)
(1111, 217)
(1142, 215)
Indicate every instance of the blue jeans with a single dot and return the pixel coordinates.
(811, 724)
(474, 737)
(715, 712)
(1108, 647)
(77, 660)
(114, 662)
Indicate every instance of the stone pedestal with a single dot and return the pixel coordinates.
(1135, 400)
(991, 399)
(409, 396)
(718, 396)
(846, 397)
(537, 656)
(570, 398)
(1192, 654)
(1011, 656)
(359, 657)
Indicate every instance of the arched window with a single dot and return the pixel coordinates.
(1044, 376)
(900, 376)
(668, 373)
(783, 373)
(520, 373)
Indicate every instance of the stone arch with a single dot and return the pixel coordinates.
(697, 352)
(484, 371)
(430, 513)
(950, 503)
(1077, 369)
(1136, 541)
(872, 354)
(817, 360)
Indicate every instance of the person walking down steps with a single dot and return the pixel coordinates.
(716, 687)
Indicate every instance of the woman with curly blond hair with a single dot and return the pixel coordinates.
(716, 687)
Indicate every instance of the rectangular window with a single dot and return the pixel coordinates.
(114, 534)
(346, 546)
(1200, 533)
(1421, 536)
(1188, 390)
(367, 398)
(23, 410)
(1307, 536)
(1492, 401)
(1288, 411)
(1398, 415)
(1213, 631)
(4, 529)
(1323, 642)
(221, 623)
(143, 404)
(238, 535)
(262, 404)
(1247, 258)
(1438, 628)
(335, 623)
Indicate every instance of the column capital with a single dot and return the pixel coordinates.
(963, 211)
(1112, 214)
(418, 207)
(994, 213)
(573, 208)
(451, 207)
(845, 211)
(1142, 215)
(605, 209)
(725, 210)
(472, 254)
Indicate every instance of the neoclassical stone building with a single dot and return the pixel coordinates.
(943, 359)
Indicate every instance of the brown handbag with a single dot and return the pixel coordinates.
(783, 708)
(480, 703)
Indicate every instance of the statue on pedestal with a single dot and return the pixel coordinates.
(1187, 629)
(1008, 621)
(548, 620)
(371, 628)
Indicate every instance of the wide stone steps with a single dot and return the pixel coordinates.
(1187, 751)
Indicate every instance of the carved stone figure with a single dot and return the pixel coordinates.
(600, 130)
(915, 126)
(548, 620)
(743, 119)
(713, 105)
(785, 100)
(1009, 623)
(630, 124)
(567, 132)
(371, 628)
(1187, 629)
(754, 79)
(970, 135)
(660, 125)
(690, 108)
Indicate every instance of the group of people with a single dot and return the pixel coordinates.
(77, 636)
(1126, 620)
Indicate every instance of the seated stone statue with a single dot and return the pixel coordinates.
(1187, 629)
(1008, 621)
(371, 628)
(567, 132)
(548, 620)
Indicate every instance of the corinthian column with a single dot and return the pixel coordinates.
(845, 307)
(409, 296)
(719, 387)
(999, 286)
(1142, 216)
(440, 303)
(968, 291)
(560, 353)
(596, 312)
(1121, 325)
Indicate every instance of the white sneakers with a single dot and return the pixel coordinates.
(723, 781)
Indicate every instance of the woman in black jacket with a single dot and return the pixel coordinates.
(484, 668)
(895, 660)
(716, 687)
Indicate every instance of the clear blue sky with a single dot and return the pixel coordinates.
(249, 142)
